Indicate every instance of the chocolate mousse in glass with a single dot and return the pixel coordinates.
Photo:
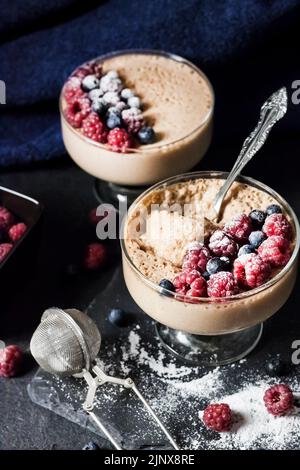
(177, 101)
(201, 330)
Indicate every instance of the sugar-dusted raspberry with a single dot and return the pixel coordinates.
(11, 359)
(222, 244)
(277, 224)
(134, 120)
(218, 417)
(239, 228)
(72, 90)
(95, 256)
(251, 271)
(198, 288)
(275, 250)
(196, 257)
(279, 399)
(84, 70)
(222, 284)
(93, 128)
(5, 248)
(119, 140)
(77, 111)
(17, 231)
(190, 283)
(7, 219)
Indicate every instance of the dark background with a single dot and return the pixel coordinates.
(247, 48)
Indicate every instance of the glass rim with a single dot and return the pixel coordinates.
(143, 149)
(243, 295)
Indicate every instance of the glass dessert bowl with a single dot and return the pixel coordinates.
(204, 330)
(177, 102)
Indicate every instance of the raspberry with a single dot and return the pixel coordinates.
(198, 288)
(196, 257)
(84, 70)
(10, 361)
(221, 284)
(119, 140)
(17, 231)
(133, 118)
(277, 224)
(72, 90)
(77, 111)
(94, 219)
(222, 245)
(6, 218)
(217, 417)
(275, 250)
(239, 228)
(95, 256)
(190, 283)
(93, 128)
(4, 250)
(251, 271)
(279, 399)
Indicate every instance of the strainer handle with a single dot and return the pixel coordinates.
(103, 429)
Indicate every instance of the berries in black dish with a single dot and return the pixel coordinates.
(113, 121)
(256, 238)
(273, 209)
(118, 317)
(90, 446)
(257, 218)
(146, 135)
(276, 367)
(216, 265)
(168, 285)
(246, 250)
(90, 82)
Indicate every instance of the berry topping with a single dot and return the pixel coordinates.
(77, 111)
(119, 140)
(111, 98)
(118, 317)
(90, 82)
(72, 89)
(215, 265)
(190, 283)
(99, 106)
(279, 400)
(17, 231)
(196, 257)
(273, 209)
(90, 446)
(275, 367)
(11, 359)
(217, 417)
(222, 245)
(109, 83)
(7, 219)
(95, 256)
(133, 119)
(126, 93)
(257, 218)
(221, 284)
(251, 271)
(113, 121)
(95, 94)
(94, 128)
(198, 288)
(5, 248)
(146, 135)
(87, 69)
(246, 250)
(239, 228)
(166, 284)
(134, 102)
(206, 275)
(275, 250)
(256, 238)
(277, 224)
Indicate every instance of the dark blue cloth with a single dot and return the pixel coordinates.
(248, 48)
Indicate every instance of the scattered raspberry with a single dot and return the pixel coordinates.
(95, 256)
(6, 218)
(251, 271)
(93, 128)
(277, 224)
(17, 231)
(222, 245)
(133, 118)
(72, 90)
(77, 111)
(10, 361)
(190, 283)
(196, 257)
(275, 250)
(239, 228)
(119, 140)
(4, 250)
(222, 284)
(279, 399)
(217, 417)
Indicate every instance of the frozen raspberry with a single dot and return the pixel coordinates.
(239, 228)
(119, 140)
(277, 224)
(95, 256)
(251, 271)
(10, 361)
(279, 399)
(134, 120)
(222, 284)
(84, 70)
(198, 287)
(17, 231)
(275, 250)
(222, 245)
(190, 283)
(4, 250)
(196, 257)
(6, 218)
(72, 90)
(217, 417)
(77, 111)
(93, 128)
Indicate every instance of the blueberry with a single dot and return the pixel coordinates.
(113, 121)
(273, 209)
(256, 238)
(91, 446)
(118, 317)
(99, 106)
(95, 94)
(275, 367)
(90, 82)
(126, 93)
(257, 217)
(246, 250)
(114, 110)
(146, 135)
(206, 275)
(227, 261)
(134, 102)
(216, 265)
(168, 285)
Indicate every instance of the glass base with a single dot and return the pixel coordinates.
(216, 350)
(116, 194)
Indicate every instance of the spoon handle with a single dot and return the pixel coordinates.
(271, 111)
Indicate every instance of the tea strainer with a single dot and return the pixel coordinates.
(65, 344)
